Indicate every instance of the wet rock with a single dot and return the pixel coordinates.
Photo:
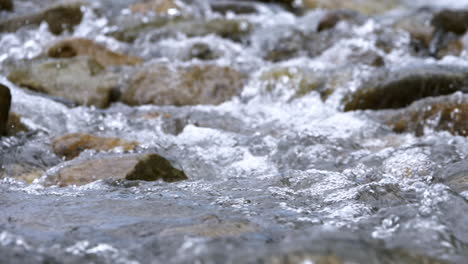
(81, 80)
(417, 24)
(15, 125)
(61, 17)
(144, 167)
(72, 145)
(381, 195)
(306, 258)
(454, 175)
(6, 5)
(201, 84)
(156, 6)
(202, 51)
(397, 89)
(334, 17)
(289, 44)
(368, 7)
(448, 25)
(72, 47)
(5, 103)
(445, 113)
(160, 27)
(237, 7)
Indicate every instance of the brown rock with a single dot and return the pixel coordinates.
(6, 5)
(157, 6)
(455, 21)
(202, 84)
(397, 89)
(447, 113)
(72, 145)
(368, 7)
(145, 167)
(334, 17)
(81, 80)
(5, 102)
(72, 47)
(61, 17)
(15, 125)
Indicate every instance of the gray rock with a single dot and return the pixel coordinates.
(454, 175)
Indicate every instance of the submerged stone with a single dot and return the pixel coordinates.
(61, 17)
(214, 228)
(161, 84)
(72, 145)
(445, 113)
(332, 18)
(144, 167)
(81, 80)
(397, 89)
(5, 103)
(72, 47)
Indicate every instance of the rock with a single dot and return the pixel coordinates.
(156, 6)
(234, 29)
(202, 51)
(448, 25)
(397, 89)
(368, 7)
(236, 7)
(307, 258)
(15, 125)
(5, 103)
(288, 44)
(144, 167)
(417, 24)
(6, 5)
(161, 84)
(72, 145)
(446, 113)
(454, 175)
(334, 17)
(72, 47)
(61, 17)
(81, 80)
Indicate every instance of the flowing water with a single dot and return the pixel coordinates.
(273, 177)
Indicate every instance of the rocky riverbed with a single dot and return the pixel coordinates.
(222, 131)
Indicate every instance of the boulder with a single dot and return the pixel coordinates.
(72, 47)
(144, 167)
(161, 84)
(81, 80)
(71, 145)
(61, 17)
(446, 113)
(5, 103)
(6, 5)
(399, 88)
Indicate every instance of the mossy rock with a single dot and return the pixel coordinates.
(5, 103)
(161, 84)
(81, 80)
(72, 47)
(144, 167)
(397, 89)
(61, 17)
(71, 145)
(368, 7)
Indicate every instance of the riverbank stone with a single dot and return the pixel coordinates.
(5, 103)
(161, 84)
(81, 80)
(71, 145)
(389, 89)
(144, 167)
(72, 47)
(61, 17)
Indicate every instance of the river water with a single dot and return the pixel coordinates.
(273, 177)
